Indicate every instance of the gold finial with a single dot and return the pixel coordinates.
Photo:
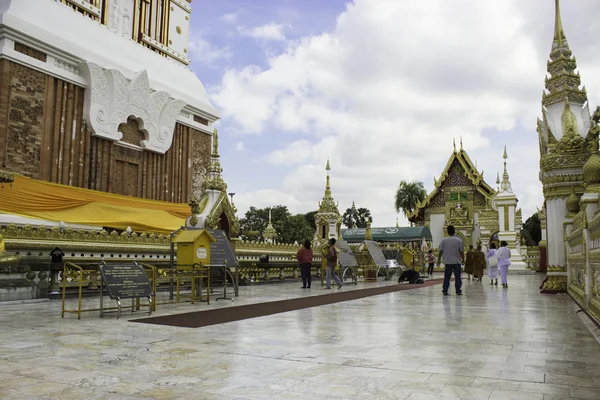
(461, 146)
(497, 178)
(559, 32)
(454, 143)
(505, 156)
(327, 186)
(397, 226)
(215, 142)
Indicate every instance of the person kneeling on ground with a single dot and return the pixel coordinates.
(409, 275)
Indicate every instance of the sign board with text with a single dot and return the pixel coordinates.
(126, 281)
(221, 251)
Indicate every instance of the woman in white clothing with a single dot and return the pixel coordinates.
(492, 264)
(503, 255)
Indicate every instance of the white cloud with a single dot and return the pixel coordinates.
(230, 18)
(385, 92)
(239, 146)
(271, 31)
(203, 52)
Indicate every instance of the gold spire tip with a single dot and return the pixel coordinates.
(559, 32)
(505, 156)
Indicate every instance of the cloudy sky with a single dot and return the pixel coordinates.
(381, 87)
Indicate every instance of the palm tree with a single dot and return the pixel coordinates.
(356, 217)
(350, 217)
(408, 195)
(364, 215)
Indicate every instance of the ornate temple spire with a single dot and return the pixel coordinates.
(327, 186)
(505, 185)
(327, 205)
(454, 143)
(397, 226)
(563, 81)
(270, 233)
(559, 33)
(215, 179)
(497, 181)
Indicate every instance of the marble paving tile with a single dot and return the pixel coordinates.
(585, 393)
(513, 395)
(522, 376)
(413, 345)
(544, 388)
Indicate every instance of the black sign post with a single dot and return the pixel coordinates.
(223, 257)
(128, 281)
(221, 252)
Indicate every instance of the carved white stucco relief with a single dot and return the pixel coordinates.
(119, 17)
(111, 99)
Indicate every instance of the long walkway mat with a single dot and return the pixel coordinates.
(216, 316)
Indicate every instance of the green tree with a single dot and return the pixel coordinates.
(297, 229)
(310, 217)
(532, 230)
(290, 228)
(364, 216)
(353, 216)
(408, 195)
(350, 217)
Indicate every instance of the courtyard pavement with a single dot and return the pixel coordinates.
(491, 343)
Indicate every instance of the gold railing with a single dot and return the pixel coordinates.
(74, 275)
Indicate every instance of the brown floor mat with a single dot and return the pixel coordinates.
(216, 316)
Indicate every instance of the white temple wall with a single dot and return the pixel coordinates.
(436, 226)
(511, 218)
(556, 212)
(501, 217)
(78, 39)
(332, 231)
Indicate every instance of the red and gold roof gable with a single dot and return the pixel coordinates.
(459, 171)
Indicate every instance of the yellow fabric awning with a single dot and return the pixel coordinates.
(43, 200)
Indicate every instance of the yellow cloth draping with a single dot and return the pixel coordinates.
(43, 200)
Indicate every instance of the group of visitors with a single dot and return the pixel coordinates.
(452, 251)
(305, 256)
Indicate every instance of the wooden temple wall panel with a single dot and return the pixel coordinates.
(43, 135)
(66, 139)
(200, 161)
(139, 173)
(21, 118)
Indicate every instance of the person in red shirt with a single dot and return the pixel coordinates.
(304, 257)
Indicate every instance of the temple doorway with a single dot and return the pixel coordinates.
(223, 223)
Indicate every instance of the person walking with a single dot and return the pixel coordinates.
(304, 257)
(332, 261)
(503, 255)
(478, 264)
(452, 249)
(492, 264)
(431, 261)
(469, 262)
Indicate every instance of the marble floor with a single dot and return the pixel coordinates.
(491, 343)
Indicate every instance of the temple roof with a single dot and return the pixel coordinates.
(471, 173)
